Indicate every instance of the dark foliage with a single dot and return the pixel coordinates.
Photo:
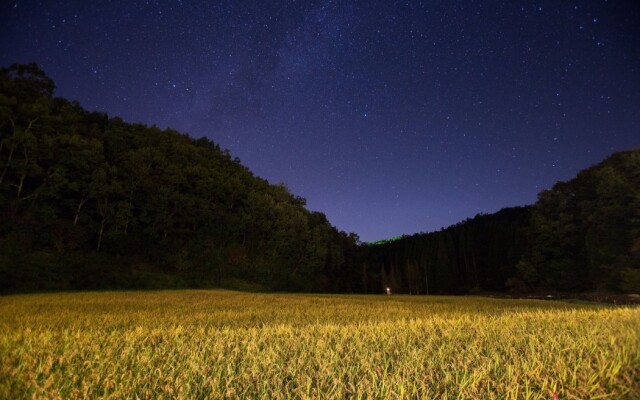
(88, 201)
(580, 236)
(586, 232)
(478, 254)
(92, 202)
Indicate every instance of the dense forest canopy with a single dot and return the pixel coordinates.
(91, 201)
(581, 235)
(478, 254)
(586, 232)
(88, 201)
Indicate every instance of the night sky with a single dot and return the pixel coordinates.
(390, 117)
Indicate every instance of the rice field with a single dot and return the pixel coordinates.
(223, 344)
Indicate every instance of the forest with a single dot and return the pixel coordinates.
(580, 236)
(88, 201)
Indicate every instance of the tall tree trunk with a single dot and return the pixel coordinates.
(4, 170)
(126, 223)
(426, 280)
(20, 186)
(82, 201)
(100, 235)
(18, 193)
(475, 270)
(36, 192)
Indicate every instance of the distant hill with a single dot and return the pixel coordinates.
(88, 201)
(581, 235)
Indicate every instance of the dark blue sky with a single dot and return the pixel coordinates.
(390, 117)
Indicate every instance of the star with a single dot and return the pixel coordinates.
(328, 96)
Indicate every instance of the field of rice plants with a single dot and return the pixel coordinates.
(223, 344)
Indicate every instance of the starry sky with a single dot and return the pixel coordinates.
(391, 117)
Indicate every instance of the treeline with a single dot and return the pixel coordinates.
(479, 254)
(586, 232)
(92, 202)
(88, 201)
(582, 235)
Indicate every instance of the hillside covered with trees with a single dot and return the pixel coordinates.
(580, 236)
(91, 202)
(88, 201)
(474, 255)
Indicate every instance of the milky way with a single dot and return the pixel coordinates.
(390, 117)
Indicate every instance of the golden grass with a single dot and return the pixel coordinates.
(222, 344)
